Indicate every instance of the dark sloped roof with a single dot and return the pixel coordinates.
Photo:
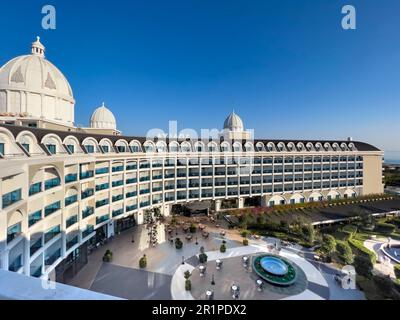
(40, 133)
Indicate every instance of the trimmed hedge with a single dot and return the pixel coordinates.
(397, 271)
(359, 246)
(350, 228)
(387, 228)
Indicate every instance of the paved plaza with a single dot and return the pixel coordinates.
(163, 279)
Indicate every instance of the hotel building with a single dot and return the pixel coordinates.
(65, 188)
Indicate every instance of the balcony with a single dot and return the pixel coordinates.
(158, 177)
(102, 170)
(169, 187)
(158, 189)
(102, 218)
(71, 221)
(170, 175)
(144, 166)
(49, 260)
(131, 180)
(117, 213)
(131, 208)
(144, 191)
(34, 218)
(86, 175)
(87, 193)
(103, 186)
(131, 167)
(50, 209)
(131, 194)
(36, 273)
(89, 230)
(117, 197)
(72, 242)
(144, 179)
(72, 177)
(118, 169)
(87, 212)
(11, 198)
(13, 232)
(117, 183)
(16, 264)
(144, 204)
(70, 200)
(37, 245)
(51, 234)
(35, 188)
(101, 203)
(52, 183)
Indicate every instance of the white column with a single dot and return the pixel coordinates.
(264, 201)
(240, 203)
(218, 205)
(166, 210)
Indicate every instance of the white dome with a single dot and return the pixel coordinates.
(33, 86)
(103, 118)
(233, 123)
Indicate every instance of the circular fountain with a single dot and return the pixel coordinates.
(274, 269)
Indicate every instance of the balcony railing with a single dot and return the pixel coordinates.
(103, 186)
(101, 203)
(36, 246)
(34, 218)
(72, 242)
(50, 209)
(49, 260)
(71, 221)
(88, 231)
(131, 194)
(86, 175)
(16, 264)
(52, 183)
(117, 183)
(117, 197)
(11, 198)
(118, 212)
(102, 218)
(87, 193)
(87, 212)
(70, 200)
(118, 169)
(130, 208)
(131, 180)
(72, 177)
(102, 170)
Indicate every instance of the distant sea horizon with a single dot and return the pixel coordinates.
(392, 161)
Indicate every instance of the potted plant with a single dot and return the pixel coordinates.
(192, 228)
(202, 256)
(188, 283)
(245, 242)
(222, 248)
(143, 262)
(178, 243)
(107, 256)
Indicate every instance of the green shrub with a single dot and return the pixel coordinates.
(397, 271)
(245, 233)
(328, 245)
(192, 228)
(143, 262)
(245, 242)
(345, 253)
(203, 258)
(363, 265)
(178, 243)
(188, 285)
(222, 248)
(385, 228)
(359, 246)
(351, 229)
(108, 256)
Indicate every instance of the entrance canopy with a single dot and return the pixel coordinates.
(198, 206)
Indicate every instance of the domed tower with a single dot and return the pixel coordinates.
(33, 90)
(103, 121)
(234, 128)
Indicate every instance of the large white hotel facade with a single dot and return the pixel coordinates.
(62, 186)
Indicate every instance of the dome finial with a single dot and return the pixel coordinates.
(38, 48)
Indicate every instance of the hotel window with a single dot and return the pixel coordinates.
(52, 148)
(89, 148)
(25, 146)
(71, 148)
(121, 148)
(11, 197)
(135, 148)
(106, 149)
(35, 188)
(2, 149)
(13, 232)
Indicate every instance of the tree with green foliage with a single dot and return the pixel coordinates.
(188, 283)
(363, 265)
(328, 246)
(345, 252)
(143, 262)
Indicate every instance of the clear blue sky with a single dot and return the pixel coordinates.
(286, 66)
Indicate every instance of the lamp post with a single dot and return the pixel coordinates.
(197, 241)
(212, 280)
(183, 260)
